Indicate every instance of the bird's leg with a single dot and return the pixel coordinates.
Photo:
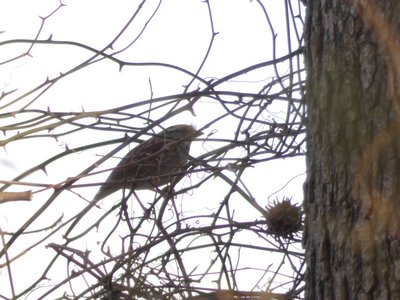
(138, 200)
(146, 211)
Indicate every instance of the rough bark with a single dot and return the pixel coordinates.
(352, 192)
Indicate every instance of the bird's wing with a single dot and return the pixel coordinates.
(136, 160)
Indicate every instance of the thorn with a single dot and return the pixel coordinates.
(44, 170)
(190, 108)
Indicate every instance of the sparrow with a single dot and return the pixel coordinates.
(153, 163)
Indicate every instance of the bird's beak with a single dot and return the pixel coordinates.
(196, 134)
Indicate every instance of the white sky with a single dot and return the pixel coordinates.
(179, 35)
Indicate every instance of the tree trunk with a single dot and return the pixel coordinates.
(352, 192)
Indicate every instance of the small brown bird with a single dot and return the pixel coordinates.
(152, 163)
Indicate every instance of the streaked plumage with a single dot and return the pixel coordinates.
(152, 163)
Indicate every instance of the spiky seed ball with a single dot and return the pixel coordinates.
(283, 218)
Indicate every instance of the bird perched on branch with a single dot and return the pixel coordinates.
(153, 163)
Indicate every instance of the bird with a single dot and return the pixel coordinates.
(153, 163)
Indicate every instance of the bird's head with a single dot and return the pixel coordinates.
(181, 131)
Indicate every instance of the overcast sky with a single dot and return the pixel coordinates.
(179, 34)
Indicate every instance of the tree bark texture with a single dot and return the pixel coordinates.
(352, 192)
